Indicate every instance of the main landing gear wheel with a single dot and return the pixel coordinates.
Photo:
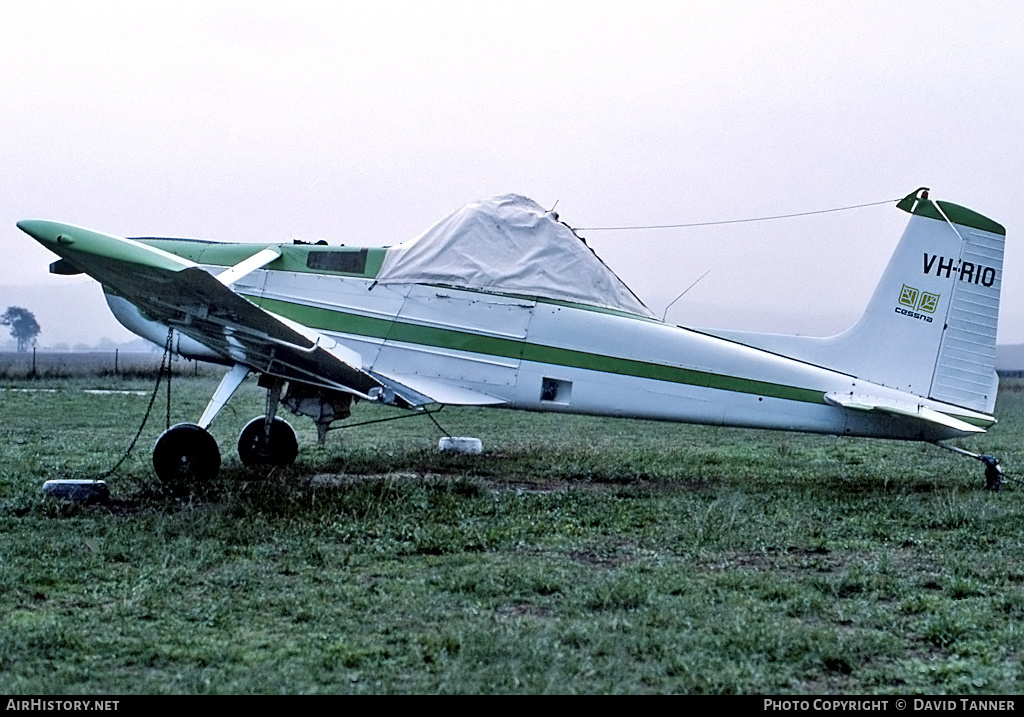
(255, 449)
(185, 453)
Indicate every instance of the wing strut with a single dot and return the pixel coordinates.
(257, 261)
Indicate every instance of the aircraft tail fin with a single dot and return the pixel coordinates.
(930, 326)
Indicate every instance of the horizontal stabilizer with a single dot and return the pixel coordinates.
(910, 410)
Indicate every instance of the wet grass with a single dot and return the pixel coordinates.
(575, 555)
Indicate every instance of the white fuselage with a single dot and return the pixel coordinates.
(552, 356)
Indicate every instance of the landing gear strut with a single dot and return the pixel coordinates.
(188, 453)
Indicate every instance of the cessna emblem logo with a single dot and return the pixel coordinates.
(916, 304)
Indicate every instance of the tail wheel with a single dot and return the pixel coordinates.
(185, 454)
(256, 448)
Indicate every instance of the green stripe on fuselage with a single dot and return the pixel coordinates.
(344, 322)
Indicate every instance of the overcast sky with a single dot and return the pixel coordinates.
(365, 123)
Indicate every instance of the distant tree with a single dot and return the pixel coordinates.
(24, 327)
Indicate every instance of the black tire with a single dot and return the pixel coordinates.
(186, 454)
(255, 450)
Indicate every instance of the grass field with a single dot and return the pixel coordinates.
(576, 555)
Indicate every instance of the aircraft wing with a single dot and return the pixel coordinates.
(180, 294)
(197, 304)
(915, 410)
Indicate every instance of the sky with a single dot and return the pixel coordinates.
(365, 123)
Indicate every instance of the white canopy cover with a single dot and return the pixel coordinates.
(509, 244)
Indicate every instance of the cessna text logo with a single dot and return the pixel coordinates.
(916, 304)
(963, 270)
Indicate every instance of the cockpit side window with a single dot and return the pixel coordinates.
(346, 262)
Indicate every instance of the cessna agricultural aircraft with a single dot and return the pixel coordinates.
(501, 304)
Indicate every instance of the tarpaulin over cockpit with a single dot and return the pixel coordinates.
(509, 244)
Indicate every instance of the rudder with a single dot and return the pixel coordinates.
(965, 370)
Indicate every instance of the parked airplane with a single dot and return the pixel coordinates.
(501, 304)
